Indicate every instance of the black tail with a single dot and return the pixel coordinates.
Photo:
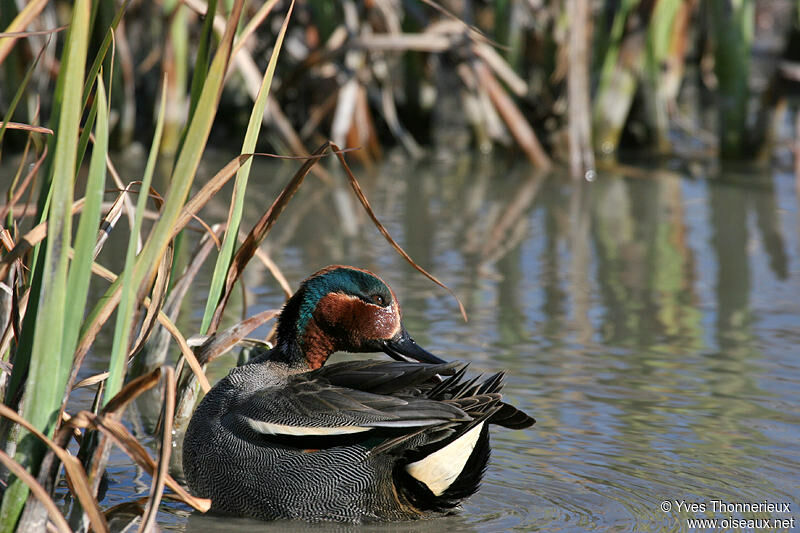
(506, 415)
(439, 467)
(421, 497)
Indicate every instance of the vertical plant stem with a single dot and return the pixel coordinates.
(660, 36)
(249, 145)
(182, 179)
(175, 68)
(81, 267)
(202, 59)
(617, 84)
(581, 156)
(732, 23)
(48, 358)
(128, 296)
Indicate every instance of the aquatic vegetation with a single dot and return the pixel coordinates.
(556, 81)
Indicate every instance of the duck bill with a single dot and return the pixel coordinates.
(403, 348)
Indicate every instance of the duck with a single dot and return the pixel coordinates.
(286, 436)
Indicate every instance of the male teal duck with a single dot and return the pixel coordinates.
(286, 437)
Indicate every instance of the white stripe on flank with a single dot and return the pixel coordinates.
(439, 469)
(268, 428)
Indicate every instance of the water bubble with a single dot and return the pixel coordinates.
(590, 175)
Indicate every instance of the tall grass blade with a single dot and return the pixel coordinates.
(122, 329)
(202, 58)
(83, 142)
(25, 347)
(182, 178)
(81, 268)
(235, 217)
(175, 68)
(48, 359)
(102, 51)
(84, 248)
(254, 23)
(94, 73)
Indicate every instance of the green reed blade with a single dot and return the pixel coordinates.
(94, 71)
(182, 178)
(101, 53)
(83, 142)
(44, 390)
(733, 24)
(122, 328)
(249, 145)
(80, 271)
(660, 33)
(609, 59)
(616, 85)
(177, 71)
(201, 60)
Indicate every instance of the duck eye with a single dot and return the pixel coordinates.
(378, 299)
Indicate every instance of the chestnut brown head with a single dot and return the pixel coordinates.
(342, 308)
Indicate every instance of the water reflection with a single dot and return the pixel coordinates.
(650, 325)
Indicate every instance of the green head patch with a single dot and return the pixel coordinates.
(339, 279)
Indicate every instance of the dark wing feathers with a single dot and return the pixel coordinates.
(381, 377)
(510, 417)
(316, 403)
(476, 405)
(448, 384)
(382, 395)
(453, 388)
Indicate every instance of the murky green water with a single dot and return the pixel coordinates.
(650, 324)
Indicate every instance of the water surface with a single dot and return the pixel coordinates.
(650, 323)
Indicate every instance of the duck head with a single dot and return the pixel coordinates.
(343, 308)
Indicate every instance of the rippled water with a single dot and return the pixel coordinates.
(651, 324)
